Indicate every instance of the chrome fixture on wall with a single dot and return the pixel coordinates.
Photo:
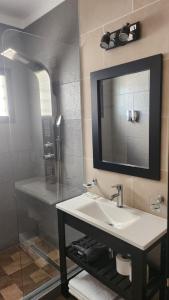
(156, 205)
(91, 184)
(133, 116)
(127, 34)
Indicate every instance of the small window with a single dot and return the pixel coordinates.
(4, 112)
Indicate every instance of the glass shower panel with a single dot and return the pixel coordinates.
(8, 220)
(43, 84)
(35, 145)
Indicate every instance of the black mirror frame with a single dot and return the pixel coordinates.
(154, 64)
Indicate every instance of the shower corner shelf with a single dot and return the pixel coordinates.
(105, 270)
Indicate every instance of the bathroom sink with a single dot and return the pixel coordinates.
(110, 214)
(134, 226)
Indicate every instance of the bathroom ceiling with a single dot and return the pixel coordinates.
(21, 13)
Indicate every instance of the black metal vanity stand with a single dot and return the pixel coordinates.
(105, 270)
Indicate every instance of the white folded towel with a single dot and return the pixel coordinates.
(87, 287)
(77, 295)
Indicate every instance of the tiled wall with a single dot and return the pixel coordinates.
(96, 17)
(60, 55)
(129, 143)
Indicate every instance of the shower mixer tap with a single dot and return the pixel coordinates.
(48, 145)
(49, 156)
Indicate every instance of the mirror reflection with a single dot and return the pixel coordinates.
(125, 102)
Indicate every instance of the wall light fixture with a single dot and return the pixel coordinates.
(127, 34)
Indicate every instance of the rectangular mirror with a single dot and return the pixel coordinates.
(126, 104)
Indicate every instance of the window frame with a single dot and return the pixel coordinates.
(11, 112)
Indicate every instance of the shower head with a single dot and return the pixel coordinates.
(12, 54)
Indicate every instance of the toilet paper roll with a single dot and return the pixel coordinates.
(123, 265)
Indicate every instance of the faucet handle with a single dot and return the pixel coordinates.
(156, 205)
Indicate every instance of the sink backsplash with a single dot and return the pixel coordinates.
(138, 193)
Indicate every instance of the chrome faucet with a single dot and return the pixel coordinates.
(118, 195)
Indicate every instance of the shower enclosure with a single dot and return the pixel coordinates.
(44, 118)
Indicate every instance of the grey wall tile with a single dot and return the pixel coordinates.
(73, 170)
(72, 137)
(60, 24)
(22, 165)
(70, 105)
(137, 152)
(65, 65)
(6, 170)
(4, 138)
(126, 93)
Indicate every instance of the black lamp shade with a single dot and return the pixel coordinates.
(124, 33)
(105, 40)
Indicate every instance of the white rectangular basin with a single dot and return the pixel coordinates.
(131, 225)
(110, 214)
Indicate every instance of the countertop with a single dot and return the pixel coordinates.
(141, 234)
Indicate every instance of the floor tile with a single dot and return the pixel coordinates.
(16, 256)
(27, 285)
(12, 268)
(25, 270)
(22, 258)
(54, 255)
(12, 292)
(5, 281)
(5, 260)
(52, 272)
(41, 262)
(39, 276)
(2, 272)
(44, 246)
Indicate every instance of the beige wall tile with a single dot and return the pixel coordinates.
(89, 172)
(108, 179)
(145, 192)
(91, 53)
(165, 89)
(87, 138)
(105, 181)
(95, 12)
(140, 3)
(151, 33)
(164, 144)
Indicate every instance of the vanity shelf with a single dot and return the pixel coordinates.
(105, 271)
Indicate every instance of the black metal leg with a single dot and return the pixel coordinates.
(139, 277)
(62, 250)
(163, 269)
